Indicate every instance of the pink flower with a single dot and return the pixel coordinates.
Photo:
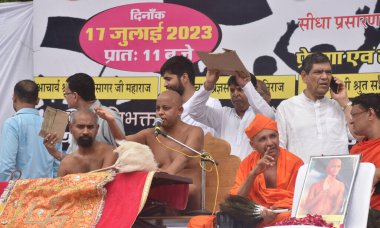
(315, 220)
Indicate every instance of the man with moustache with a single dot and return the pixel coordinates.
(91, 154)
(266, 176)
(179, 75)
(229, 123)
(311, 124)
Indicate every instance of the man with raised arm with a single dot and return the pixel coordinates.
(79, 92)
(312, 124)
(170, 156)
(91, 154)
(229, 123)
(179, 75)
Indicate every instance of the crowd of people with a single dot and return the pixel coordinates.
(272, 144)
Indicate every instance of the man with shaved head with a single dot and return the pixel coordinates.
(326, 196)
(267, 176)
(91, 154)
(170, 156)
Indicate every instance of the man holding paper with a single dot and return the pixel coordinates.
(21, 148)
(79, 93)
(229, 123)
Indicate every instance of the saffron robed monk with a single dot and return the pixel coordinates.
(365, 121)
(170, 156)
(267, 176)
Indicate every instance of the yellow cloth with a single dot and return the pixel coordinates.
(259, 123)
(74, 200)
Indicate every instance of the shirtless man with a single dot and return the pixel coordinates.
(91, 154)
(326, 196)
(166, 152)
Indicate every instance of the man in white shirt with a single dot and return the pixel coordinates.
(312, 124)
(229, 123)
(179, 75)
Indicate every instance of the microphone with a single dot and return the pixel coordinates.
(157, 124)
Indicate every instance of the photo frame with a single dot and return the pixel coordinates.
(327, 187)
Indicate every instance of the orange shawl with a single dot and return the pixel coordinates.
(75, 200)
(370, 153)
(282, 196)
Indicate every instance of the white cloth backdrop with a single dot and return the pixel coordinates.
(16, 52)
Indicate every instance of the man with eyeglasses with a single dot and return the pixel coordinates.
(79, 93)
(365, 122)
(312, 124)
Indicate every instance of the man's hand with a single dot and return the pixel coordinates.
(242, 78)
(104, 114)
(341, 97)
(50, 140)
(212, 77)
(265, 162)
(268, 215)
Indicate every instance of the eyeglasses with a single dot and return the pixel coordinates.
(353, 115)
(66, 94)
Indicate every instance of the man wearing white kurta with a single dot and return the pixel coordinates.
(312, 124)
(229, 123)
(185, 117)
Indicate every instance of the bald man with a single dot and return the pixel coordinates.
(326, 196)
(91, 154)
(266, 176)
(166, 152)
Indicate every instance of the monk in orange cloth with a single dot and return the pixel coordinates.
(267, 176)
(365, 120)
(325, 197)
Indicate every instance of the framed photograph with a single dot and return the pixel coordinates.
(327, 187)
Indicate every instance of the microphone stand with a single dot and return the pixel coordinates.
(204, 159)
